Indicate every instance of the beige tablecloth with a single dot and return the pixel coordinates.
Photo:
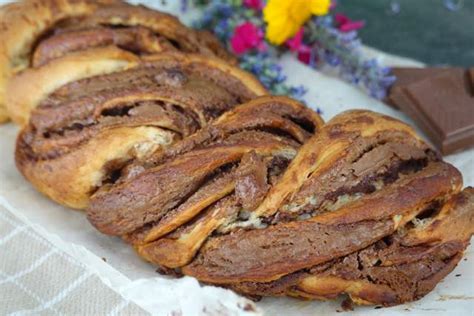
(38, 278)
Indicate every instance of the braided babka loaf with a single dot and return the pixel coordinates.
(268, 201)
(148, 126)
(86, 130)
(54, 42)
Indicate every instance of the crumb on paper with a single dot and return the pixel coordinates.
(347, 305)
(249, 308)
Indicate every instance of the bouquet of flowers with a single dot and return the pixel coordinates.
(259, 31)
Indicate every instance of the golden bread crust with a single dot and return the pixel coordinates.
(82, 170)
(28, 88)
(21, 23)
(25, 24)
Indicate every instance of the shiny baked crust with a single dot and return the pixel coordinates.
(84, 129)
(20, 25)
(363, 207)
(28, 88)
(35, 32)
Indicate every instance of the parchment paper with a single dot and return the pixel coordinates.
(138, 281)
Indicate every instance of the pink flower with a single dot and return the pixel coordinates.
(344, 24)
(304, 54)
(295, 42)
(246, 36)
(254, 4)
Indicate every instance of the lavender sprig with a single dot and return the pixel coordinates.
(270, 74)
(341, 51)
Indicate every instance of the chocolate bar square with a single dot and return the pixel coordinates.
(443, 106)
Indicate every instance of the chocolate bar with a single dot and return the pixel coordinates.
(406, 76)
(441, 101)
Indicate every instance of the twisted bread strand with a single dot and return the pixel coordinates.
(86, 130)
(207, 181)
(365, 207)
(59, 41)
(398, 268)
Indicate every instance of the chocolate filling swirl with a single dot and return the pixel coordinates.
(115, 119)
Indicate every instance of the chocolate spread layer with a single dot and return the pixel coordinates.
(138, 202)
(186, 166)
(251, 184)
(136, 39)
(280, 249)
(393, 270)
(375, 166)
(133, 28)
(217, 258)
(178, 98)
(382, 285)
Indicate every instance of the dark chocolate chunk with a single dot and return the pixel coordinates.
(406, 76)
(442, 104)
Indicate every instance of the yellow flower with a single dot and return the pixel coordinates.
(285, 17)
